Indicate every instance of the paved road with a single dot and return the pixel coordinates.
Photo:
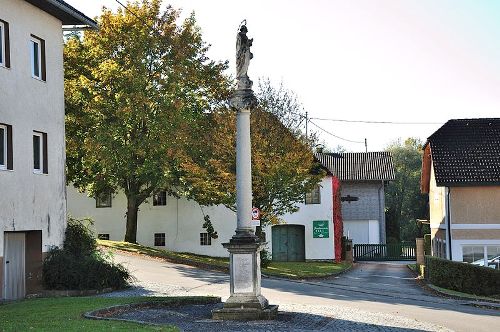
(384, 289)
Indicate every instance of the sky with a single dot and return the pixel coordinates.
(415, 61)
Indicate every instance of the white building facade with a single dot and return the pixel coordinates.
(177, 224)
(32, 148)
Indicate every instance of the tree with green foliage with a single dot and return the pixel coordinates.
(135, 91)
(404, 201)
(283, 166)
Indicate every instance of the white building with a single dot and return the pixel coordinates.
(176, 224)
(32, 149)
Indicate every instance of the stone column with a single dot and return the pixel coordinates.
(246, 302)
(243, 174)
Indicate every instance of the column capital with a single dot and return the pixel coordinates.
(243, 100)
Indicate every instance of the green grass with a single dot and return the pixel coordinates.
(291, 270)
(65, 314)
(463, 295)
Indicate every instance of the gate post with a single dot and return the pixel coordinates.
(349, 251)
(419, 251)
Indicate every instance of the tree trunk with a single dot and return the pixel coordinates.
(132, 211)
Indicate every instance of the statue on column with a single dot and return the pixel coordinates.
(243, 56)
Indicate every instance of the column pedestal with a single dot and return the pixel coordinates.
(246, 302)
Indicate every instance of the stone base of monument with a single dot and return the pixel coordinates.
(270, 313)
(246, 302)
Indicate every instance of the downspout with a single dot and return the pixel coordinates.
(448, 220)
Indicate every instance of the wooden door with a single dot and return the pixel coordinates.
(14, 265)
(288, 243)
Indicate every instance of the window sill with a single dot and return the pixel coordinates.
(39, 172)
(5, 169)
(38, 79)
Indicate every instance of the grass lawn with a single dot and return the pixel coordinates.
(65, 314)
(463, 295)
(292, 270)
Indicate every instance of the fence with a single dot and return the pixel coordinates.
(385, 252)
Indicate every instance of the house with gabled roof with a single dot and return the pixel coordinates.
(32, 142)
(363, 177)
(461, 174)
(175, 223)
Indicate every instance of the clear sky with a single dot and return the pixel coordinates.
(386, 60)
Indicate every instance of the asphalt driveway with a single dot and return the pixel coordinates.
(383, 290)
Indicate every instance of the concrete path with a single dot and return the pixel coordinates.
(377, 289)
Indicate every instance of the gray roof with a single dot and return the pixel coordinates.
(63, 11)
(359, 166)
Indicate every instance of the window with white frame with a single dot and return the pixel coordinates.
(5, 147)
(37, 56)
(482, 255)
(314, 197)
(4, 44)
(40, 162)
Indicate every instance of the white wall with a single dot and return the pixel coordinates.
(181, 220)
(316, 248)
(31, 201)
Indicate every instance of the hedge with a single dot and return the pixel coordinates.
(427, 244)
(462, 277)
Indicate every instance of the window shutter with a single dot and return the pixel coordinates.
(44, 67)
(7, 45)
(10, 158)
(45, 159)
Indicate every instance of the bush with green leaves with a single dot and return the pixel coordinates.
(462, 277)
(79, 264)
(265, 258)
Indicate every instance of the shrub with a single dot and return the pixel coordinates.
(427, 244)
(462, 277)
(265, 258)
(79, 264)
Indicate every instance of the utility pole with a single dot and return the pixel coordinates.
(307, 120)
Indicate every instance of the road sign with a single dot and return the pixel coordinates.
(320, 229)
(255, 217)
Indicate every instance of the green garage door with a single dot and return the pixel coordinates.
(288, 243)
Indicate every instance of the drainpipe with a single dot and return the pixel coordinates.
(448, 221)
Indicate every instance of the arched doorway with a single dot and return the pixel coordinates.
(288, 243)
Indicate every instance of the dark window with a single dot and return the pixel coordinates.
(37, 53)
(314, 197)
(5, 146)
(103, 236)
(205, 240)
(40, 162)
(103, 200)
(4, 44)
(160, 198)
(160, 239)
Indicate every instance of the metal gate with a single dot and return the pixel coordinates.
(14, 265)
(404, 251)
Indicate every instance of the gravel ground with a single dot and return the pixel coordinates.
(290, 318)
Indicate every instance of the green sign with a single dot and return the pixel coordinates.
(320, 229)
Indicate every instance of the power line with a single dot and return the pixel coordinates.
(329, 133)
(378, 122)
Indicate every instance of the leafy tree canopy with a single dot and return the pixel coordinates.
(135, 90)
(404, 201)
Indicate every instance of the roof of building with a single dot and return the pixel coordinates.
(65, 12)
(466, 152)
(359, 166)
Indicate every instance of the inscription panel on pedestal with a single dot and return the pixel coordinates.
(243, 273)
